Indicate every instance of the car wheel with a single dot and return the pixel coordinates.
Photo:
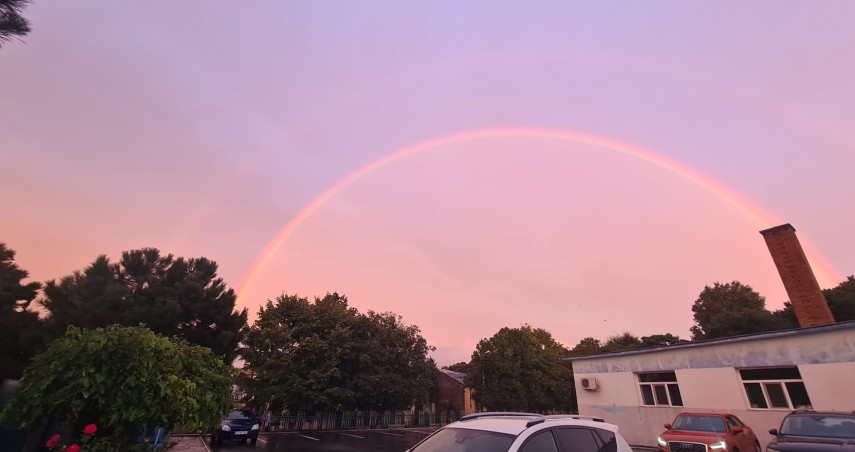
(252, 441)
(243, 441)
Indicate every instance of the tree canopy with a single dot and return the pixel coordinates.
(12, 23)
(521, 369)
(175, 297)
(120, 378)
(841, 300)
(730, 309)
(22, 333)
(621, 343)
(325, 355)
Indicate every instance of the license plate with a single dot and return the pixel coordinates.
(240, 433)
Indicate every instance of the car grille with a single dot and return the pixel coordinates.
(681, 446)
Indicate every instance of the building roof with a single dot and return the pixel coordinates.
(850, 325)
(454, 375)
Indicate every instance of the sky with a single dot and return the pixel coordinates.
(582, 167)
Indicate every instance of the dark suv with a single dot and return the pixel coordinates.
(240, 425)
(815, 431)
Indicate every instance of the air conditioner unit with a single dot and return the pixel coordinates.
(590, 384)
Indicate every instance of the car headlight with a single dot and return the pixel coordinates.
(255, 427)
(225, 427)
(661, 441)
(719, 445)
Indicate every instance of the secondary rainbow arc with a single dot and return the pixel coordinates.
(826, 274)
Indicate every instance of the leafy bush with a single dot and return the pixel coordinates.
(121, 378)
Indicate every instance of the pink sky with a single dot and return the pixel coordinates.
(204, 130)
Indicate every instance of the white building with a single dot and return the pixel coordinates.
(759, 378)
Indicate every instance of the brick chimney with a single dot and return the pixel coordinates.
(799, 281)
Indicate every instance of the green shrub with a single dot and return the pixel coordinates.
(121, 378)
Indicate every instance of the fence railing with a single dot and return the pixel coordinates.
(355, 420)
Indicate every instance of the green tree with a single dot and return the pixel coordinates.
(841, 300)
(175, 297)
(660, 340)
(22, 333)
(461, 367)
(587, 346)
(731, 309)
(325, 355)
(12, 23)
(521, 369)
(621, 343)
(120, 378)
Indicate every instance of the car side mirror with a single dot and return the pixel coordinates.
(738, 429)
(773, 432)
(668, 426)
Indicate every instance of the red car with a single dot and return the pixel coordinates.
(702, 432)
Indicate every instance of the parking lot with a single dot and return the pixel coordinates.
(339, 441)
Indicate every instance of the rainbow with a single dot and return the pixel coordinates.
(826, 274)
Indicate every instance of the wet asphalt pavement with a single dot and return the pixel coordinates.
(337, 441)
(344, 441)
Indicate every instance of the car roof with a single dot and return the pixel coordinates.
(705, 414)
(822, 413)
(516, 423)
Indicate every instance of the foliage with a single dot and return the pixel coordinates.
(841, 300)
(841, 303)
(586, 347)
(521, 369)
(22, 333)
(12, 23)
(621, 342)
(660, 340)
(171, 296)
(88, 442)
(731, 309)
(326, 356)
(461, 367)
(121, 378)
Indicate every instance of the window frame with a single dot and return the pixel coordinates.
(766, 383)
(667, 387)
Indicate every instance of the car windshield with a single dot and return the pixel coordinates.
(819, 425)
(713, 424)
(239, 414)
(465, 440)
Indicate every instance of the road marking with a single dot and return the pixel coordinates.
(390, 434)
(263, 441)
(304, 436)
(204, 443)
(353, 436)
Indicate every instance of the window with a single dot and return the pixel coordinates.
(579, 440)
(775, 388)
(540, 442)
(659, 389)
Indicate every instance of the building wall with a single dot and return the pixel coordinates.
(709, 379)
(451, 393)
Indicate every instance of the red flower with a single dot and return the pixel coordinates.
(73, 448)
(52, 441)
(90, 429)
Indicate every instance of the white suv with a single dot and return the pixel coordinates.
(525, 432)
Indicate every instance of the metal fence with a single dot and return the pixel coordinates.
(356, 420)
